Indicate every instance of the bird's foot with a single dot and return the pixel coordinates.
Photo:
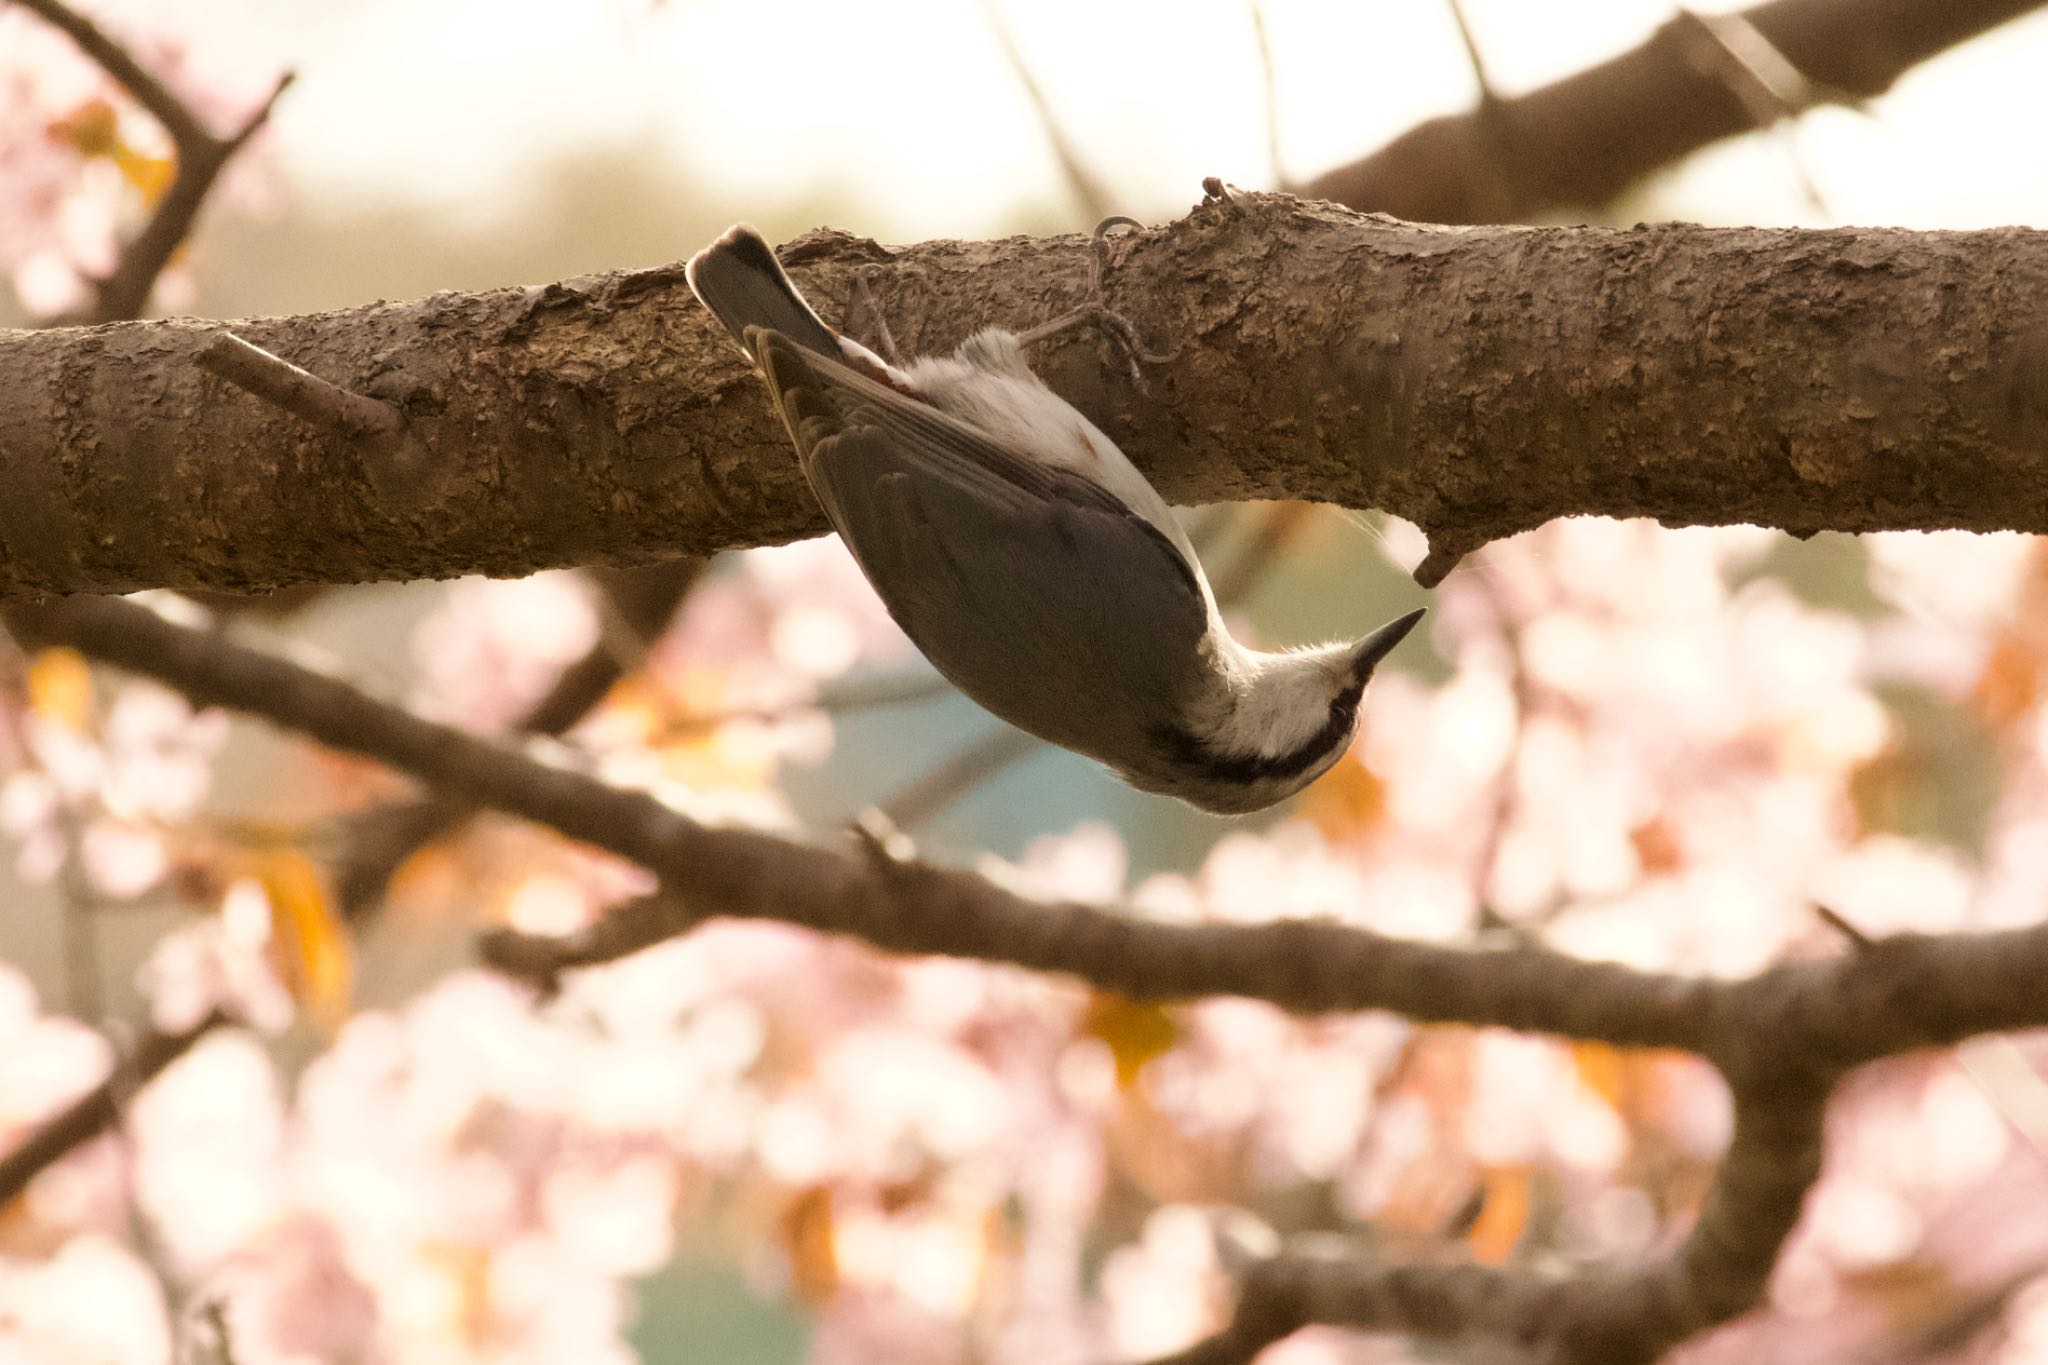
(1097, 312)
(864, 311)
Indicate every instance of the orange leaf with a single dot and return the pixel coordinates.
(1502, 1216)
(1657, 850)
(1347, 800)
(1135, 1032)
(2010, 682)
(150, 175)
(1602, 1069)
(91, 129)
(308, 946)
(807, 1238)
(60, 687)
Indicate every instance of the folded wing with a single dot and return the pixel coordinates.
(1035, 590)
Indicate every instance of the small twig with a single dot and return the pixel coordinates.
(303, 394)
(1269, 89)
(1092, 194)
(959, 773)
(1769, 85)
(540, 960)
(1493, 173)
(1473, 56)
(843, 698)
(1834, 920)
(1274, 529)
(95, 1111)
(1445, 551)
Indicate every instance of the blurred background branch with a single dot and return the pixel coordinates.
(1581, 141)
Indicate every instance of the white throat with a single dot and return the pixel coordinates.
(1266, 705)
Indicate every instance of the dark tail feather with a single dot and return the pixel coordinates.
(741, 282)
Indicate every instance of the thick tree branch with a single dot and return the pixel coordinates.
(1781, 1038)
(914, 908)
(1478, 381)
(1581, 141)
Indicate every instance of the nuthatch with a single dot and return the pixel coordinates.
(1030, 560)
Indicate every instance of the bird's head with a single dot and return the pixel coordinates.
(1289, 718)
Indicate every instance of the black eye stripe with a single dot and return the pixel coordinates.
(1188, 750)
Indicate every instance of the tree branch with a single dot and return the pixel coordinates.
(915, 908)
(122, 295)
(377, 841)
(1782, 1038)
(201, 155)
(95, 1111)
(1477, 381)
(1583, 140)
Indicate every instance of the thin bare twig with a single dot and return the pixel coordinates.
(1443, 556)
(1493, 170)
(1089, 191)
(1269, 91)
(967, 768)
(95, 1111)
(302, 394)
(1473, 56)
(1769, 84)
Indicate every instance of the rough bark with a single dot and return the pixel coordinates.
(1476, 380)
(1583, 140)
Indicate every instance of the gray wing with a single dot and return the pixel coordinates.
(1036, 591)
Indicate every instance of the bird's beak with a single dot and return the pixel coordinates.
(1381, 642)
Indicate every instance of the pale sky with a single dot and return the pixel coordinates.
(910, 108)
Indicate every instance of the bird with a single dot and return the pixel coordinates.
(1029, 560)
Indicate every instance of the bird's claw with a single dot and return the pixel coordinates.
(1114, 324)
